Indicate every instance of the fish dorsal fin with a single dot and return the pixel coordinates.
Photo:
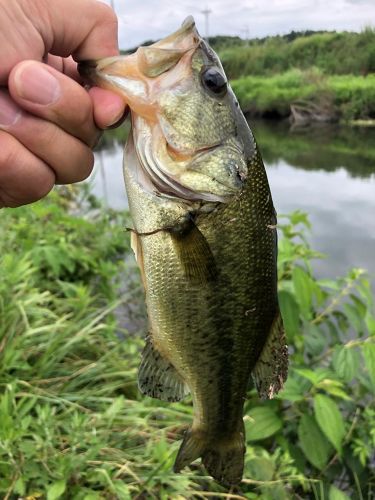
(271, 369)
(158, 378)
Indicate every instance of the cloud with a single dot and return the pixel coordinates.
(153, 19)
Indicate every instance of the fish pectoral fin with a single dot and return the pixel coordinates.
(194, 253)
(223, 458)
(271, 369)
(158, 378)
(136, 246)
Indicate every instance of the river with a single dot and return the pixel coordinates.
(327, 171)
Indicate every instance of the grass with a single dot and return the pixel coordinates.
(353, 97)
(332, 53)
(332, 70)
(73, 424)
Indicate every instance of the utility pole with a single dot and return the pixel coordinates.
(246, 32)
(206, 12)
(113, 5)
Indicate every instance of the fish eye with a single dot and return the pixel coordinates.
(214, 81)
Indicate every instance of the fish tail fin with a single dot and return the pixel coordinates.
(223, 458)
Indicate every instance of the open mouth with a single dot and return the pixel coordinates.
(179, 155)
(166, 184)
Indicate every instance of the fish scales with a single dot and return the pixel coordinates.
(205, 240)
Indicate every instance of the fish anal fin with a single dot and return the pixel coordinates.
(194, 253)
(158, 378)
(223, 458)
(271, 369)
(136, 246)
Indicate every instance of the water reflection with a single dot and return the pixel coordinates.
(321, 147)
(326, 171)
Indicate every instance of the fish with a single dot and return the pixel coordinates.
(205, 241)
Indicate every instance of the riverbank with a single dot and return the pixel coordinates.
(307, 76)
(329, 98)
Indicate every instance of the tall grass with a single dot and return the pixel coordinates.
(351, 97)
(332, 53)
(72, 422)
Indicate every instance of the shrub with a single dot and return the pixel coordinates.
(73, 424)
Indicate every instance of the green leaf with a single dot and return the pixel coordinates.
(303, 289)
(315, 342)
(330, 420)
(20, 487)
(369, 356)
(313, 443)
(121, 489)
(331, 284)
(345, 361)
(263, 422)
(92, 496)
(354, 316)
(290, 313)
(293, 389)
(56, 490)
(313, 376)
(260, 468)
(336, 494)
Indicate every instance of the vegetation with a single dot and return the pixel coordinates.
(350, 97)
(73, 424)
(333, 72)
(333, 53)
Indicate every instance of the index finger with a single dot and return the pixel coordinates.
(86, 29)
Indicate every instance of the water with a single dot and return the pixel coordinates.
(326, 171)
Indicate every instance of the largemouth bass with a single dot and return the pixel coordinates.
(205, 241)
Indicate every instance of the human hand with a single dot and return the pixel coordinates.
(48, 121)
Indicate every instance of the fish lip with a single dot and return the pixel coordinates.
(92, 68)
(87, 69)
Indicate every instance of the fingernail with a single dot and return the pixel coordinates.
(36, 84)
(9, 111)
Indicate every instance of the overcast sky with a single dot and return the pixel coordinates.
(152, 19)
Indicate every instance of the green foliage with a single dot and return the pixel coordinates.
(352, 97)
(73, 424)
(330, 70)
(333, 53)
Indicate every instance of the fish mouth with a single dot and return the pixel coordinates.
(158, 179)
(168, 186)
(87, 69)
(147, 61)
(184, 155)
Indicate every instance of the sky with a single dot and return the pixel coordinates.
(141, 20)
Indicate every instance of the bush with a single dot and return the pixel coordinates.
(73, 424)
(352, 97)
(332, 53)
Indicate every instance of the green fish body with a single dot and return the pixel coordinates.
(205, 240)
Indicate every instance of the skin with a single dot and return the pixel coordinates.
(48, 121)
